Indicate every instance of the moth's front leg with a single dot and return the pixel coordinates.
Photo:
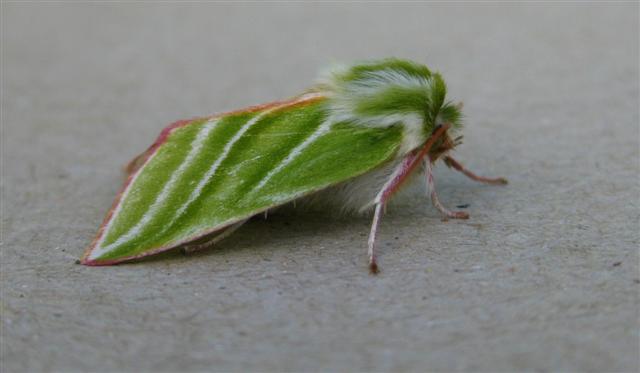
(402, 171)
(400, 174)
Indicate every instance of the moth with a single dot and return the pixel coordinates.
(351, 142)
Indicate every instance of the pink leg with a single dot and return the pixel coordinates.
(434, 197)
(459, 167)
(373, 264)
(404, 169)
(399, 175)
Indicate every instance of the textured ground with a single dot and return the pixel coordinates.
(543, 277)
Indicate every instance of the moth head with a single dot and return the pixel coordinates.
(390, 92)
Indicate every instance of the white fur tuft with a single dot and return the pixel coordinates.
(345, 96)
(357, 196)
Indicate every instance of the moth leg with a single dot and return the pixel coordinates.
(190, 249)
(459, 167)
(431, 186)
(400, 174)
(373, 263)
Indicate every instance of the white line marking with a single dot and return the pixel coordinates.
(214, 168)
(99, 251)
(320, 131)
(196, 146)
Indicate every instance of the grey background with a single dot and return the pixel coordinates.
(544, 276)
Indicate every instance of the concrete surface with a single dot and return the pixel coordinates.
(543, 277)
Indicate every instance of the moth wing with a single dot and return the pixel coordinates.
(204, 175)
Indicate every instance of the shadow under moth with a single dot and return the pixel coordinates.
(350, 142)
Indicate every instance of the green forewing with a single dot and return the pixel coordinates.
(212, 172)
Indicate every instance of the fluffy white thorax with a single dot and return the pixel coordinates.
(346, 96)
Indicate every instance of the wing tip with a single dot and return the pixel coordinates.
(98, 262)
(87, 260)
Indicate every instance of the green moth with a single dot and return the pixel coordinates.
(350, 142)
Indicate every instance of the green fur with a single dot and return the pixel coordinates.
(362, 70)
(394, 100)
(392, 86)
